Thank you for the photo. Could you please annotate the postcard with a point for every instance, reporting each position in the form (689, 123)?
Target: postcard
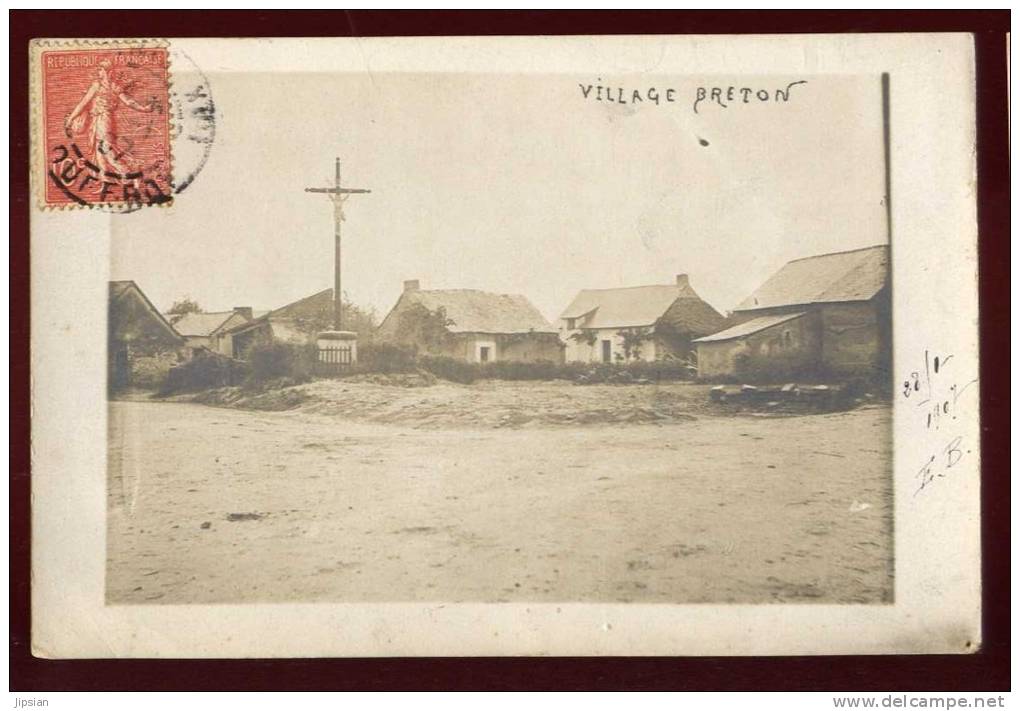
(504, 346)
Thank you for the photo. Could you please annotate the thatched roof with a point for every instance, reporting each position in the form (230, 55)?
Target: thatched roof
(474, 311)
(856, 275)
(641, 306)
(693, 317)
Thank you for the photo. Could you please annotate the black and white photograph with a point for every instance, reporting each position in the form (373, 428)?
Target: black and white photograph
(641, 355)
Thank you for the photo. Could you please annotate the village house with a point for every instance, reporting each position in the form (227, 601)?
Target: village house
(142, 345)
(827, 315)
(208, 329)
(297, 323)
(636, 323)
(470, 325)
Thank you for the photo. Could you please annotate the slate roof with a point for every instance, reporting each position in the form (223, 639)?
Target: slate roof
(474, 311)
(318, 305)
(309, 307)
(199, 324)
(634, 306)
(856, 275)
(747, 328)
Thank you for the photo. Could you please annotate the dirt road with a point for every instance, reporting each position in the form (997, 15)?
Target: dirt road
(218, 505)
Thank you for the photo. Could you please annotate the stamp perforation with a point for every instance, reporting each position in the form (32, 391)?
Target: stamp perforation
(38, 114)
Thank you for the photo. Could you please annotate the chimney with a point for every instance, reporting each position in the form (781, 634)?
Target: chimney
(682, 280)
(244, 311)
(412, 285)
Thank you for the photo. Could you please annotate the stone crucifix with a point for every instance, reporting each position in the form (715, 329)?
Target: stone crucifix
(338, 195)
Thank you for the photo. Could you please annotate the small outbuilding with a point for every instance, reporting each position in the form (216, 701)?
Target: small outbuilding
(827, 315)
(142, 345)
(298, 322)
(207, 329)
(470, 325)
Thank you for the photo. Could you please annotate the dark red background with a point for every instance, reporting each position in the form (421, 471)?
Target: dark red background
(987, 670)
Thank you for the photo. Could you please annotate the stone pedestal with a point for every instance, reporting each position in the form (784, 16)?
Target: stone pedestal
(337, 347)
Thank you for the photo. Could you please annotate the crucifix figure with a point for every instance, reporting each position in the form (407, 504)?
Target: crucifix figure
(339, 196)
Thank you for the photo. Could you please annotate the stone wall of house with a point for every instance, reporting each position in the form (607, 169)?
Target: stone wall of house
(514, 348)
(148, 370)
(588, 347)
(141, 349)
(239, 345)
(854, 337)
(529, 348)
(678, 347)
(851, 342)
(718, 358)
(794, 344)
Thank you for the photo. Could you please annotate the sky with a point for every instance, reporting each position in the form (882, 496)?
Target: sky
(511, 184)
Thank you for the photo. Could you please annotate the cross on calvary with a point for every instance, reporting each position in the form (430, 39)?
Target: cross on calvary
(339, 196)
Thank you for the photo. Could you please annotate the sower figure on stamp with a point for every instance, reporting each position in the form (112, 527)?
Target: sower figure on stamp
(99, 105)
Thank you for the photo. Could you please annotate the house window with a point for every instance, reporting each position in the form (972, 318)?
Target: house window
(571, 322)
(607, 351)
(483, 354)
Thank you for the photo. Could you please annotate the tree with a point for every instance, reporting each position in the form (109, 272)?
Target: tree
(632, 340)
(427, 328)
(186, 305)
(359, 319)
(355, 318)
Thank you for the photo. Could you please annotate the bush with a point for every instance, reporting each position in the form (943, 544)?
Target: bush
(451, 369)
(538, 370)
(637, 371)
(386, 358)
(757, 369)
(277, 360)
(206, 370)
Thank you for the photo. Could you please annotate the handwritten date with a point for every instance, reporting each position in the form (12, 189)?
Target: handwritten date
(937, 395)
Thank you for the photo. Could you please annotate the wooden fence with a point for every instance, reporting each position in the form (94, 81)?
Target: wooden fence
(332, 361)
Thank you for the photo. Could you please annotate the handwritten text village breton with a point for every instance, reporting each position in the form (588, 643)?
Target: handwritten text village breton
(723, 96)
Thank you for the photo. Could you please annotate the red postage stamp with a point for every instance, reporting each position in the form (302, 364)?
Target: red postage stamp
(105, 126)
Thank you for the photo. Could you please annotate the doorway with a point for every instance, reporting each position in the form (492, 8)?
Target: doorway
(607, 351)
